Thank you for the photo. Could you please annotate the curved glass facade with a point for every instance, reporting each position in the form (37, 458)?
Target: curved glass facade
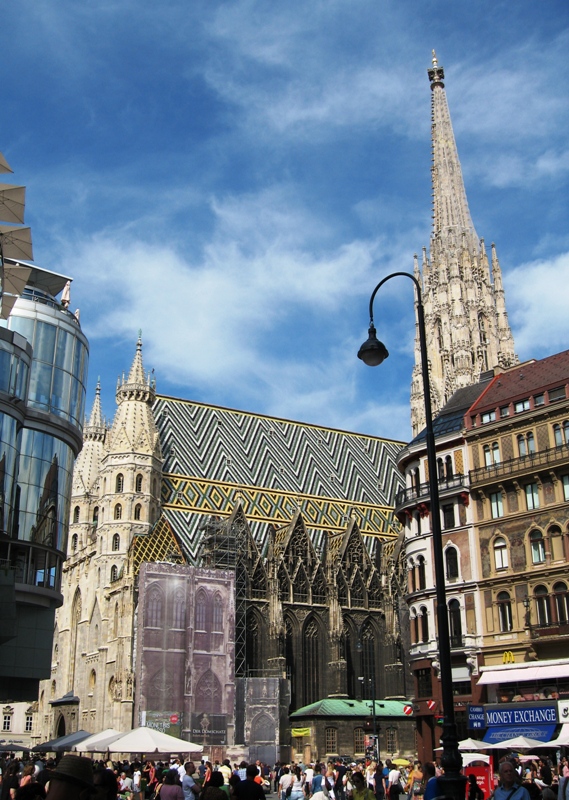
(60, 359)
(37, 451)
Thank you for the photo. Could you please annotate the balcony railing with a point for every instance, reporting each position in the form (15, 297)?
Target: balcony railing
(456, 641)
(542, 458)
(420, 492)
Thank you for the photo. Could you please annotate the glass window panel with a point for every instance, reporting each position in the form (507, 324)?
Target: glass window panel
(5, 369)
(61, 391)
(64, 350)
(23, 326)
(44, 343)
(40, 385)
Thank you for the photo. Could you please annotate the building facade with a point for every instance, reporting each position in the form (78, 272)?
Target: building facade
(506, 552)
(517, 434)
(463, 295)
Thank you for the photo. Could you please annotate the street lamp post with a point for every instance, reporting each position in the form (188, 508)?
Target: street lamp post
(359, 648)
(373, 352)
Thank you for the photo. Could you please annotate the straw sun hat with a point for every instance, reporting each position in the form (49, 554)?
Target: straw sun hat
(74, 769)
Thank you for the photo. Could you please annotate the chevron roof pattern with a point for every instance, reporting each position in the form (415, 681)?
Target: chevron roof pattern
(215, 457)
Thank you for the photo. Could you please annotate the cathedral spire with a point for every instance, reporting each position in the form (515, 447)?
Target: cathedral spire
(451, 215)
(465, 311)
(138, 385)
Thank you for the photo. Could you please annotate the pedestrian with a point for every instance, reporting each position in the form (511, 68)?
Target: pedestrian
(508, 789)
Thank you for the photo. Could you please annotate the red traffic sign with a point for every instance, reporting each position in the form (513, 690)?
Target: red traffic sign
(431, 704)
(408, 710)
(174, 719)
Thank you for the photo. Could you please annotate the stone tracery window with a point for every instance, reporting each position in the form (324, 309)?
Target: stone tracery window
(178, 609)
(208, 694)
(201, 612)
(218, 614)
(119, 483)
(154, 612)
(311, 663)
(300, 587)
(357, 591)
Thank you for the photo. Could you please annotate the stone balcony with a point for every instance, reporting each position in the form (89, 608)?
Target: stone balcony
(514, 467)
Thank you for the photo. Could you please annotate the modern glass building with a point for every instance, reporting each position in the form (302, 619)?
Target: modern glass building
(43, 372)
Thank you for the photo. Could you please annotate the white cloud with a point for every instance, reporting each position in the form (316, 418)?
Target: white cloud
(538, 298)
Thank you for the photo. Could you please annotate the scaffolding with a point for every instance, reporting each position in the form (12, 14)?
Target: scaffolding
(224, 545)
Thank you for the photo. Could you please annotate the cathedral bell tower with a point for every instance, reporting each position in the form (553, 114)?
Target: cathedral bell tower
(463, 296)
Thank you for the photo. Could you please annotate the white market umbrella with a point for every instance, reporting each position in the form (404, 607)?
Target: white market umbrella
(12, 202)
(517, 743)
(150, 741)
(471, 744)
(469, 758)
(98, 742)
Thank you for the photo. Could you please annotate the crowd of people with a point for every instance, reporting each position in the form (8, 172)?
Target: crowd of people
(76, 777)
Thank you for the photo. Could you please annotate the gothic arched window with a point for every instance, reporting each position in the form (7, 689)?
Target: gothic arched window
(357, 591)
(119, 483)
(116, 542)
(154, 608)
(201, 611)
(137, 511)
(367, 640)
(218, 614)
(138, 483)
(96, 516)
(114, 573)
(74, 542)
(118, 511)
(178, 610)
(291, 661)
(208, 694)
(300, 588)
(311, 671)
(76, 512)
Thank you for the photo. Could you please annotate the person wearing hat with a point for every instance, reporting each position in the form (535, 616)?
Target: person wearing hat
(72, 779)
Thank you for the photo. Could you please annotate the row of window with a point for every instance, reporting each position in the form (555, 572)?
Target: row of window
(549, 609)
(119, 483)
(331, 735)
(531, 492)
(523, 405)
(7, 722)
(526, 444)
(208, 616)
(417, 572)
(420, 624)
(537, 547)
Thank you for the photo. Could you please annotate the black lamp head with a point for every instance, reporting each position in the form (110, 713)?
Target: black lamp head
(372, 352)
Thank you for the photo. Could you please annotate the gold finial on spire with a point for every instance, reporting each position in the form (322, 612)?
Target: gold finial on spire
(435, 62)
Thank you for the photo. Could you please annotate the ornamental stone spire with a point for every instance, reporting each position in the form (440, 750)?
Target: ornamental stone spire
(463, 296)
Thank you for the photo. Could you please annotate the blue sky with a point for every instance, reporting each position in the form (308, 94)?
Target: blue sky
(235, 177)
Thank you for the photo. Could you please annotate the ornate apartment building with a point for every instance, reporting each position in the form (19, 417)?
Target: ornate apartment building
(463, 296)
(503, 460)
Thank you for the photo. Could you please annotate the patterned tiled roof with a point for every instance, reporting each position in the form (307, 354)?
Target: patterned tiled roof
(215, 457)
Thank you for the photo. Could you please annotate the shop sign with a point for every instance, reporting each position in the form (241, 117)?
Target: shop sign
(507, 714)
(476, 718)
